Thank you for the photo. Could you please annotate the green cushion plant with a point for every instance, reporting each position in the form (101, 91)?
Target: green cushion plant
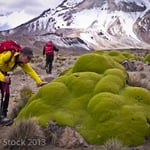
(93, 97)
(147, 58)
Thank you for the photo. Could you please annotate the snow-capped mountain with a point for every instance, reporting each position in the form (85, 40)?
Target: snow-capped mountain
(91, 24)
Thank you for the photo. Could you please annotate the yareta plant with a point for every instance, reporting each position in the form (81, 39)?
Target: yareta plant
(119, 56)
(92, 96)
(147, 58)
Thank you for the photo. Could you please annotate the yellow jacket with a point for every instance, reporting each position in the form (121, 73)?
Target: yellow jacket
(6, 67)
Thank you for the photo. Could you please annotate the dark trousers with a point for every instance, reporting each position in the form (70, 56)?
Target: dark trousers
(49, 63)
(5, 94)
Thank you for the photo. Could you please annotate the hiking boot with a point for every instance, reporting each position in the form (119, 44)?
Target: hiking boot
(48, 71)
(5, 121)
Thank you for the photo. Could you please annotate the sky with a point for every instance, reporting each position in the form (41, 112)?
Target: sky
(15, 12)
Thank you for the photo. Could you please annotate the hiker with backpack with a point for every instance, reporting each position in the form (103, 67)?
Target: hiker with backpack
(11, 56)
(49, 49)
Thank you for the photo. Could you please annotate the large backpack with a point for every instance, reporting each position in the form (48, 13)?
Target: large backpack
(49, 48)
(9, 45)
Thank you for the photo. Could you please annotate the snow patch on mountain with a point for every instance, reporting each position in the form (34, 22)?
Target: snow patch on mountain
(92, 24)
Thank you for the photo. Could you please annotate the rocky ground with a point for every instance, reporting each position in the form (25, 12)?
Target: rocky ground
(20, 80)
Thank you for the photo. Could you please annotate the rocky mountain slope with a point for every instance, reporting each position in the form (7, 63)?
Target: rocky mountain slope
(85, 24)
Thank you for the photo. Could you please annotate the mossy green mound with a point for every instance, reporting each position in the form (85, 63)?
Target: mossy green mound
(93, 97)
(95, 63)
(147, 58)
(117, 55)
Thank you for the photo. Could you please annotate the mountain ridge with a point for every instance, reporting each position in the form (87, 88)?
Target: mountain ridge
(90, 25)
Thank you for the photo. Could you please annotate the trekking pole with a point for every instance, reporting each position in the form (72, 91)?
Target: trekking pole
(4, 86)
(1, 108)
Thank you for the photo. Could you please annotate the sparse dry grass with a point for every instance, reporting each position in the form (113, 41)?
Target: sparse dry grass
(113, 144)
(25, 135)
(25, 94)
(137, 79)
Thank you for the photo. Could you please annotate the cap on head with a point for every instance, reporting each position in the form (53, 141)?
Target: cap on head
(28, 52)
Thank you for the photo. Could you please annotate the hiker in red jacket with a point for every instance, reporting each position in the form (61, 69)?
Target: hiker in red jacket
(49, 49)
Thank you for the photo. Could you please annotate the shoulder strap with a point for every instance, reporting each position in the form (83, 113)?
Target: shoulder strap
(12, 54)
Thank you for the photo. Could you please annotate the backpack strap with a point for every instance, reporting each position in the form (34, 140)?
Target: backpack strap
(12, 54)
